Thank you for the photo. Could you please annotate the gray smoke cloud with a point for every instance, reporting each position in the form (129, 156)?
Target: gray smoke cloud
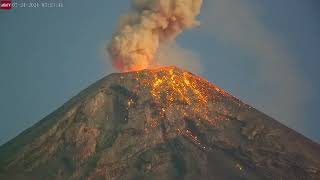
(148, 25)
(282, 90)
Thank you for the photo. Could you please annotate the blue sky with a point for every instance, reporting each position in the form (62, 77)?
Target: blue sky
(264, 52)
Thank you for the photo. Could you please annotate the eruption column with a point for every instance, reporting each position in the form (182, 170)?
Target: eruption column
(149, 24)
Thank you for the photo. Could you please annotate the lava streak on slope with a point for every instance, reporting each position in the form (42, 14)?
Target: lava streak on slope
(177, 96)
(170, 87)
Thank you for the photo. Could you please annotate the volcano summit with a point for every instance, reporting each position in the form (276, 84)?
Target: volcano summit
(163, 123)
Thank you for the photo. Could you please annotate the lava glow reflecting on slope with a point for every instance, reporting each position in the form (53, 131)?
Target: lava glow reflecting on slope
(170, 86)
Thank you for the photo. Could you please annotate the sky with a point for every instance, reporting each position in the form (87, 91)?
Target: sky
(266, 53)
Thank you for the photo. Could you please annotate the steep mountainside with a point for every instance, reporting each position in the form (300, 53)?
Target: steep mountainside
(158, 124)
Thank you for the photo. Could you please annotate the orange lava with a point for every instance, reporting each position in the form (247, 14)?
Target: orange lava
(181, 92)
(169, 86)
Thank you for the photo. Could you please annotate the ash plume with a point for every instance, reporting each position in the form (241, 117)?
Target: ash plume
(149, 24)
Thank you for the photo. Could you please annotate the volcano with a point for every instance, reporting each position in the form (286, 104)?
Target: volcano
(163, 123)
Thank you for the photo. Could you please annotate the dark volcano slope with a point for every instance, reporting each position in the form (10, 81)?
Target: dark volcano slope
(158, 124)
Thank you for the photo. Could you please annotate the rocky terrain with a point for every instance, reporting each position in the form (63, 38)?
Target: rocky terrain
(158, 124)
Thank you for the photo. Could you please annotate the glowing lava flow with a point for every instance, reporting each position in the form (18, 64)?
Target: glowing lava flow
(174, 88)
(178, 95)
(170, 86)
